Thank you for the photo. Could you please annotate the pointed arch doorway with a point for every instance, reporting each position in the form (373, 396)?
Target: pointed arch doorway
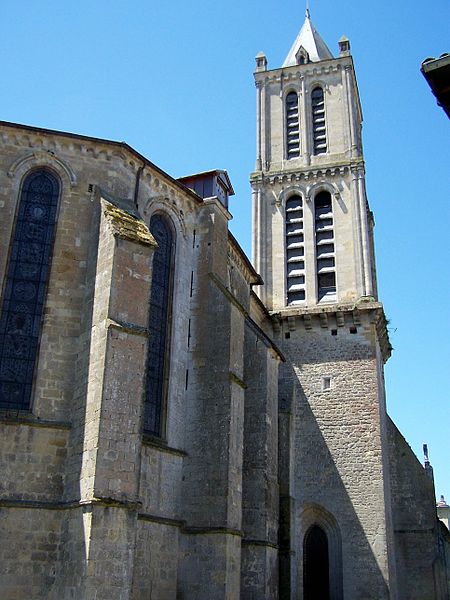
(316, 565)
(321, 547)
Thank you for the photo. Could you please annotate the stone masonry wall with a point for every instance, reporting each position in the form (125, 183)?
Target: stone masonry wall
(212, 468)
(33, 461)
(259, 569)
(338, 478)
(156, 561)
(30, 551)
(41, 451)
(98, 511)
(421, 570)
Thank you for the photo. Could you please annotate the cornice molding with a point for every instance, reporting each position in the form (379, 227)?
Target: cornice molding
(311, 173)
(366, 311)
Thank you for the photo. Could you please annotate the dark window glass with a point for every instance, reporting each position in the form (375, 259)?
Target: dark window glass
(327, 281)
(292, 126)
(318, 119)
(316, 571)
(25, 287)
(159, 326)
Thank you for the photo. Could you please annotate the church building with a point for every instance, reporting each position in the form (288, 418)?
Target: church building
(178, 422)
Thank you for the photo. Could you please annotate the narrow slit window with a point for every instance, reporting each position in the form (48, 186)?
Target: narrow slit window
(325, 249)
(159, 326)
(295, 251)
(318, 121)
(292, 126)
(24, 295)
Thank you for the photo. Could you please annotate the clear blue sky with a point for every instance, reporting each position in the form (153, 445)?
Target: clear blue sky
(174, 80)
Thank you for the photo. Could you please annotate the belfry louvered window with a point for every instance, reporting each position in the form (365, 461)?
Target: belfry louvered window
(159, 326)
(292, 126)
(325, 255)
(25, 289)
(318, 121)
(295, 251)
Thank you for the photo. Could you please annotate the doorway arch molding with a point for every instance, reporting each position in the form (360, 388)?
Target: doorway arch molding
(315, 515)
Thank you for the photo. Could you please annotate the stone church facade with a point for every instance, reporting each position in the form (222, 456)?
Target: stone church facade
(177, 423)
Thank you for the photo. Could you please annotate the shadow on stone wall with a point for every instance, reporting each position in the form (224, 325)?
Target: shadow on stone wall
(336, 483)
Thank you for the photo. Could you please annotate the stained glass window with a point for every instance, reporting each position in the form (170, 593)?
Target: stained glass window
(159, 325)
(25, 286)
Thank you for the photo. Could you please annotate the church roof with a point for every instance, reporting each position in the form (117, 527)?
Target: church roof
(310, 39)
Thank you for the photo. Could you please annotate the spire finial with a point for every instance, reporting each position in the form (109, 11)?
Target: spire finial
(308, 16)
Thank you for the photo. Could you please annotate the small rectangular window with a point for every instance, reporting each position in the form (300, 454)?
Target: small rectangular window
(326, 383)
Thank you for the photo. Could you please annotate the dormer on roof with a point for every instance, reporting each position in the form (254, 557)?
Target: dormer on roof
(309, 44)
(209, 184)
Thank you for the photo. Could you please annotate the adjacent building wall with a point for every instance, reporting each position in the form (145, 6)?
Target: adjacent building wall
(419, 549)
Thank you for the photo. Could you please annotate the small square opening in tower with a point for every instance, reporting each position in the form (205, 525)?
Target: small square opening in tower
(326, 383)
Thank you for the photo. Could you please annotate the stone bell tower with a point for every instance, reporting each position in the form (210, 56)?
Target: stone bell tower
(313, 246)
(312, 229)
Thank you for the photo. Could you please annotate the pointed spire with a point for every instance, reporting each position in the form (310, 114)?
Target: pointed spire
(309, 40)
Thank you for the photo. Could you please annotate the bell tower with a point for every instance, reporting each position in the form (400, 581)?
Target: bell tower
(312, 228)
(313, 246)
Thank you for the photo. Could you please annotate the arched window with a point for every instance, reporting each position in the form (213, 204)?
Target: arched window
(292, 126)
(325, 256)
(316, 565)
(295, 251)
(25, 288)
(318, 121)
(159, 326)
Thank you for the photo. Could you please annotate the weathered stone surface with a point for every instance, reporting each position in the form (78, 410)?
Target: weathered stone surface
(273, 423)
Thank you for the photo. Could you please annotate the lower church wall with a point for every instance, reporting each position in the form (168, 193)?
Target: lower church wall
(257, 582)
(210, 564)
(160, 481)
(155, 561)
(30, 545)
(32, 459)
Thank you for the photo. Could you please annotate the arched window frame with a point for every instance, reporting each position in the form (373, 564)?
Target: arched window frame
(155, 422)
(318, 120)
(22, 273)
(292, 132)
(294, 207)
